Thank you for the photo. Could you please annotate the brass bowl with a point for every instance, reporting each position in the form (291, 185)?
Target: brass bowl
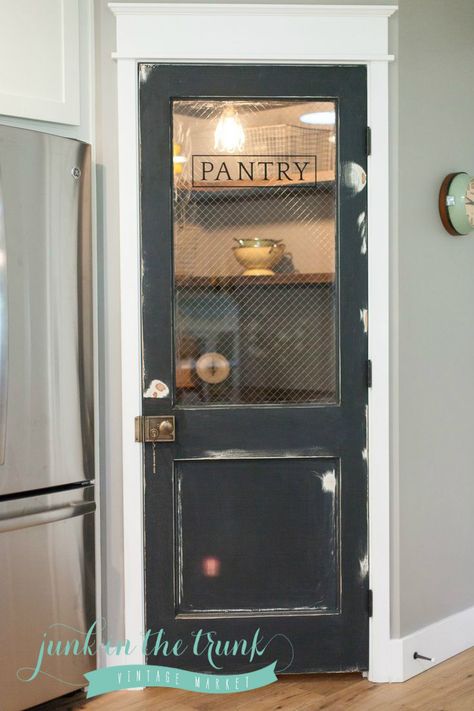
(256, 241)
(259, 260)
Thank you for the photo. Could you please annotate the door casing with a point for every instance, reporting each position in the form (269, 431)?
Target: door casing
(345, 35)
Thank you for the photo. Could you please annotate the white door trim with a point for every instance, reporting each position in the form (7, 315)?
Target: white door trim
(310, 34)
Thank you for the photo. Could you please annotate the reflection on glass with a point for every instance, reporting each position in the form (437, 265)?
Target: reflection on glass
(255, 251)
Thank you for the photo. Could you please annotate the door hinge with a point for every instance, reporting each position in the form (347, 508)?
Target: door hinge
(368, 140)
(369, 373)
(370, 603)
(154, 429)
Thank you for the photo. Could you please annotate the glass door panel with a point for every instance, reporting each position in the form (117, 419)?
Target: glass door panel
(255, 251)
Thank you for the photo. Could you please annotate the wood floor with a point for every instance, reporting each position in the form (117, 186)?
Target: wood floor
(447, 687)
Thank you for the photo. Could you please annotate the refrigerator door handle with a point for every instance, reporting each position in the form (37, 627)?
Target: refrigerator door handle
(39, 518)
(3, 330)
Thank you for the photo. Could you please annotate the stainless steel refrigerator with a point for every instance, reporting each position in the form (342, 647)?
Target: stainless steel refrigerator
(47, 504)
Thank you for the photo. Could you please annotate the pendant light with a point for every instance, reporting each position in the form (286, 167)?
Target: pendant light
(229, 135)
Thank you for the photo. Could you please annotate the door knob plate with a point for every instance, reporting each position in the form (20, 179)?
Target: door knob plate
(155, 429)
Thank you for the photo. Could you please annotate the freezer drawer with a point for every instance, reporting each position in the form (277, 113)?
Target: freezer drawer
(46, 586)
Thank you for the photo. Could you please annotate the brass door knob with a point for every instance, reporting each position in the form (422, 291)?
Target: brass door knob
(165, 429)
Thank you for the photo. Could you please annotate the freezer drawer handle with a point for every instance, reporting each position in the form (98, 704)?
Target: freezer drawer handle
(38, 518)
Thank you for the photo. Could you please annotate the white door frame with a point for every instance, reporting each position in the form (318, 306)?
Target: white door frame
(308, 34)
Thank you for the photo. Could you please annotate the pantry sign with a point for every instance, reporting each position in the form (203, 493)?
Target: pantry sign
(249, 171)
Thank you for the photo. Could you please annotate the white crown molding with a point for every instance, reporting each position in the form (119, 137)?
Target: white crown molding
(232, 9)
(166, 32)
(303, 59)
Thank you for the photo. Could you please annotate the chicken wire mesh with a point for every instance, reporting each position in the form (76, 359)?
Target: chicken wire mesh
(255, 322)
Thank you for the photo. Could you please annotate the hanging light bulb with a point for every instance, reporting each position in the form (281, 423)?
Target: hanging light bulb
(229, 136)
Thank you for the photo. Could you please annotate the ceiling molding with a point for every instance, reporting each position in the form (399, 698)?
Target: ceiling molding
(232, 9)
(303, 59)
(202, 32)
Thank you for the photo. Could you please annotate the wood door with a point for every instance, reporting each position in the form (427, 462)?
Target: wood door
(254, 284)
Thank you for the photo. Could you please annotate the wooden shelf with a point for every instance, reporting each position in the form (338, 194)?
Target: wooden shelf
(235, 281)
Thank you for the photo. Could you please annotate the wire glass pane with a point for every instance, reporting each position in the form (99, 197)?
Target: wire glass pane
(254, 212)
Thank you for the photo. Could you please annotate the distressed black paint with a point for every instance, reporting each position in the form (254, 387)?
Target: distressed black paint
(330, 435)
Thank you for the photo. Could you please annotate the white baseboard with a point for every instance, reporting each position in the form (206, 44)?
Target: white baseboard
(441, 640)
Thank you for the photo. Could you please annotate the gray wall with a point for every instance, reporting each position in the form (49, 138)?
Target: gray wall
(436, 308)
(432, 314)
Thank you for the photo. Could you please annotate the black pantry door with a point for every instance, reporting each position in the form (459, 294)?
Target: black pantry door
(254, 285)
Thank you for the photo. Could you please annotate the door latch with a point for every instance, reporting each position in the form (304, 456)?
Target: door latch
(155, 429)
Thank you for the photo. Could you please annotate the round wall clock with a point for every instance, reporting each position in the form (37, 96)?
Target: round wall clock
(456, 203)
